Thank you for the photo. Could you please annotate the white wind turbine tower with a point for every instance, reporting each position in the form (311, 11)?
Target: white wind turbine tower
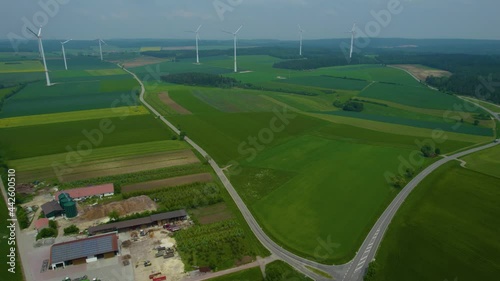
(353, 34)
(235, 37)
(300, 33)
(100, 46)
(64, 53)
(40, 48)
(197, 32)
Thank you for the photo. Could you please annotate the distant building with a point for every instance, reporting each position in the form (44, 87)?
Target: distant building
(83, 250)
(83, 193)
(139, 223)
(41, 224)
(52, 209)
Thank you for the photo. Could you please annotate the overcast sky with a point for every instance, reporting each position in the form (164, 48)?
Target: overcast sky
(262, 19)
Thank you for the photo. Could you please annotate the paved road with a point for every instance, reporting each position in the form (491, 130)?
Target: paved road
(351, 271)
(496, 115)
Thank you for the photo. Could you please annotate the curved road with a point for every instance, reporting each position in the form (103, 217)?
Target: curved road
(351, 271)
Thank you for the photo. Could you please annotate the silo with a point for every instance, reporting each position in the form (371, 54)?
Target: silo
(64, 198)
(70, 209)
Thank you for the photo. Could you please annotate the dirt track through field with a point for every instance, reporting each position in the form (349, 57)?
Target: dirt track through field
(176, 181)
(165, 98)
(116, 166)
(421, 72)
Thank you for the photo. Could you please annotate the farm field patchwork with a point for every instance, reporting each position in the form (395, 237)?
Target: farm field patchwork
(447, 229)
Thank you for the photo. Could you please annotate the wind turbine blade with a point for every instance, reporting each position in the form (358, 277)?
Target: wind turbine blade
(227, 32)
(66, 41)
(31, 31)
(103, 42)
(197, 30)
(39, 32)
(236, 32)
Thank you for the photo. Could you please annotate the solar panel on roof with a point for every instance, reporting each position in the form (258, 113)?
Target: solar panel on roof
(83, 248)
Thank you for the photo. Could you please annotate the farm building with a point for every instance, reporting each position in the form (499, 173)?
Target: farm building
(52, 209)
(41, 224)
(139, 223)
(83, 193)
(83, 250)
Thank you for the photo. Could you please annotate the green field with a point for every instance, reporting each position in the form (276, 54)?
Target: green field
(72, 116)
(71, 96)
(97, 154)
(328, 82)
(486, 161)
(415, 120)
(252, 274)
(328, 185)
(21, 66)
(446, 230)
(411, 96)
(31, 141)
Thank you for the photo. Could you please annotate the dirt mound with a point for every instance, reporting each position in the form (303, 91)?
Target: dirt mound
(132, 205)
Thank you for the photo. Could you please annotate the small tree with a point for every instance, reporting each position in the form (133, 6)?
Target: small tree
(437, 151)
(427, 151)
(371, 271)
(476, 122)
(113, 215)
(182, 135)
(72, 229)
(46, 232)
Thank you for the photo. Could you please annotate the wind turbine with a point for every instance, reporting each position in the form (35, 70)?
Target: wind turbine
(40, 48)
(300, 33)
(235, 37)
(197, 32)
(64, 53)
(100, 46)
(353, 33)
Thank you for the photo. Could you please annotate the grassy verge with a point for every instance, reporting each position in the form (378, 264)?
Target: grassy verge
(251, 274)
(279, 270)
(319, 272)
